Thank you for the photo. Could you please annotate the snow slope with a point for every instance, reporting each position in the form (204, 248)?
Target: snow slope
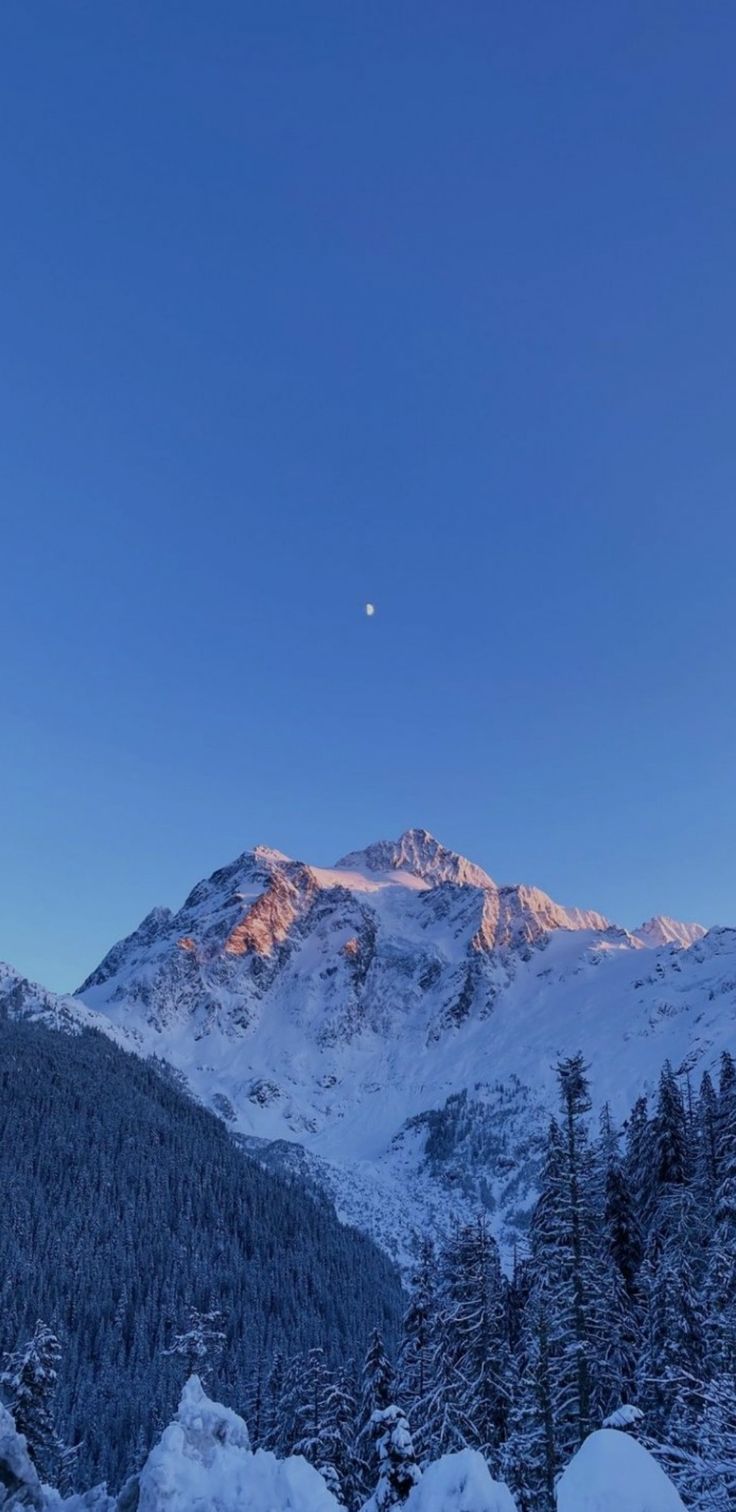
(388, 1027)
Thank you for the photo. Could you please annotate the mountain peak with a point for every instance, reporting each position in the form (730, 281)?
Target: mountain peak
(662, 930)
(421, 855)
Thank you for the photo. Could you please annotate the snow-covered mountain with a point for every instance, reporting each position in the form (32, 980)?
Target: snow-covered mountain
(21, 999)
(389, 1026)
(661, 930)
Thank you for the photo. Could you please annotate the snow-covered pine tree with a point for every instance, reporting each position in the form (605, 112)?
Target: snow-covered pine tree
(377, 1379)
(309, 1388)
(529, 1455)
(399, 1472)
(670, 1366)
(608, 1144)
(638, 1163)
(571, 1366)
(255, 1407)
(201, 1344)
(706, 1158)
(288, 1389)
(338, 1438)
(273, 1402)
(67, 1468)
(575, 1099)
(671, 1147)
(620, 1321)
(719, 1294)
(376, 1392)
(711, 1484)
(472, 1365)
(28, 1378)
(417, 1351)
(623, 1233)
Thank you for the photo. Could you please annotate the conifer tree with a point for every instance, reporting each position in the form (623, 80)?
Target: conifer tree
(312, 1426)
(399, 1472)
(638, 1163)
(273, 1399)
(338, 1438)
(201, 1344)
(377, 1392)
(530, 1454)
(473, 1364)
(377, 1381)
(720, 1279)
(706, 1142)
(29, 1378)
(623, 1232)
(417, 1353)
(671, 1152)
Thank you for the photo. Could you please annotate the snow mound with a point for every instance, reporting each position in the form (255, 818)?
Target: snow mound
(96, 1500)
(612, 1472)
(203, 1463)
(624, 1417)
(460, 1483)
(20, 1487)
(19, 1483)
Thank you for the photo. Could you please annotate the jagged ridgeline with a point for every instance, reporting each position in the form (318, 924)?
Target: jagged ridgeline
(124, 1203)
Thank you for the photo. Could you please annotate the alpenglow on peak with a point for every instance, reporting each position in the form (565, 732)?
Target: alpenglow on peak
(421, 855)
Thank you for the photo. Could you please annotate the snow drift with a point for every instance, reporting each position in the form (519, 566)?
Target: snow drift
(460, 1483)
(611, 1472)
(19, 1483)
(203, 1463)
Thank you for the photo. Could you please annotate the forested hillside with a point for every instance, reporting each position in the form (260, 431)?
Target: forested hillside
(125, 1204)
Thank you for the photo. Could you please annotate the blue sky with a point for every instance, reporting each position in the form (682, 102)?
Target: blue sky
(305, 304)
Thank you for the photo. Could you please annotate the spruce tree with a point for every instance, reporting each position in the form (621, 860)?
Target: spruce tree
(706, 1142)
(200, 1345)
(417, 1352)
(530, 1453)
(720, 1280)
(473, 1341)
(575, 1104)
(399, 1471)
(338, 1438)
(377, 1392)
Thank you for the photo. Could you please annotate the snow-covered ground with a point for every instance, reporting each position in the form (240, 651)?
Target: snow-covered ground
(203, 1462)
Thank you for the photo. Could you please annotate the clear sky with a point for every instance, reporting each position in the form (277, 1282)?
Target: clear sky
(314, 302)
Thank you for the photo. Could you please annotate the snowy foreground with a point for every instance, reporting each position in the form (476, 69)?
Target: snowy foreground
(204, 1463)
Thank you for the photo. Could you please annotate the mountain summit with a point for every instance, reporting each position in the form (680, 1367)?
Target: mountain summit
(418, 853)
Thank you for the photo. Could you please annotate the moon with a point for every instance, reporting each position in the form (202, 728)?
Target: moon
(370, 610)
